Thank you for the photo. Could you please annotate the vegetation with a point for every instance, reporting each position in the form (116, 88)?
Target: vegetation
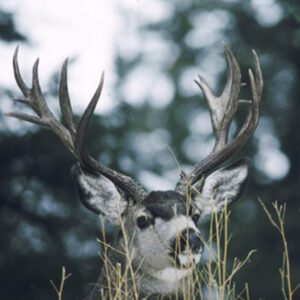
(214, 279)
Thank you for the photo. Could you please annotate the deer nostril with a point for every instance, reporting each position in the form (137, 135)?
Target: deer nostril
(191, 238)
(195, 242)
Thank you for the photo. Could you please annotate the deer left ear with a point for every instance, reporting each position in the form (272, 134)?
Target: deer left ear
(222, 187)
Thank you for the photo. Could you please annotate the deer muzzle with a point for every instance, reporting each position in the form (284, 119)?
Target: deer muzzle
(187, 248)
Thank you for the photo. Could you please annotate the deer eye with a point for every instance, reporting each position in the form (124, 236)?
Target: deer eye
(196, 218)
(143, 222)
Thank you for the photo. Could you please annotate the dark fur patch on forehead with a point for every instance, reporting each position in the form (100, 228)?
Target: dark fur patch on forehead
(165, 204)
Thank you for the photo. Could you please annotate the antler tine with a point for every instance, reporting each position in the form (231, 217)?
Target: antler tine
(223, 108)
(256, 82)
(82, 126)
(230, 93)
(21, 84)
(27, 118)
(85, 119)
(222, 150)
(64, 100)
(233, 83)
(36, 95)
(258, 75)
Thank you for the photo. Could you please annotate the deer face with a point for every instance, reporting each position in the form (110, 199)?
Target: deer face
(166, 234)
(162, 228)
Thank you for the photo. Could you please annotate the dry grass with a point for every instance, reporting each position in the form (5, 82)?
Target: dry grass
(213, 280)
(59, 290)
(276, 217)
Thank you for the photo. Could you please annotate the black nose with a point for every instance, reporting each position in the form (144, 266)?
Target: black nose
(188, 238)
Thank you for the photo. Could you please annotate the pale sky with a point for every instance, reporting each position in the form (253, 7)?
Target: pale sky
(58, 29)
(85, 31)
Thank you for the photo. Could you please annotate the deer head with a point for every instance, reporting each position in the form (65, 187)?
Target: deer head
(161, 225)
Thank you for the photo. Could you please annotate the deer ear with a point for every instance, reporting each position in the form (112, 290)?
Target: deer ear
(222, 187)
(99, 194)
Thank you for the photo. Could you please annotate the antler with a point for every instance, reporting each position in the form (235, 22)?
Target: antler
(71, 135)
(222, 110)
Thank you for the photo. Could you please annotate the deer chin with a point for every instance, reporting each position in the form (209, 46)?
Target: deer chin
(188, 261)
(171, 274)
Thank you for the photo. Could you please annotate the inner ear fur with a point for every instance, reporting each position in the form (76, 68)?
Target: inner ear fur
(222, 186)
(99, 194)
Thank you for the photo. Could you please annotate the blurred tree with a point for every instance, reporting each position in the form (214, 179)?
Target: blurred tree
(8, 30)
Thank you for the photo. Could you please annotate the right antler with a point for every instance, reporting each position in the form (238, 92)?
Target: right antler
(71, 135)
(222, 110)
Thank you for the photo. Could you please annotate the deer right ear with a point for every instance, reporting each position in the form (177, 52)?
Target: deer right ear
(222, 187)
(99, 194)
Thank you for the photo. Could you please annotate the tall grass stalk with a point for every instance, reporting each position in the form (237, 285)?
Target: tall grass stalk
(220, 276)
(278, 221)
(59, 290)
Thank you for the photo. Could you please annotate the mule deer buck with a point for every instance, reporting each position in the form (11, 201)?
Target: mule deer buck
(157, 229)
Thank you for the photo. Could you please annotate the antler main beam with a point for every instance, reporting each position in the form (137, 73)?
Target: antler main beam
(70, 134)
(222, 110)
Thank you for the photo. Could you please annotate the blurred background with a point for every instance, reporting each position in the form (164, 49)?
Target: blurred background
(150, 108)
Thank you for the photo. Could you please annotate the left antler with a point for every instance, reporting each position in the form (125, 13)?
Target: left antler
(222, 110)
(71, 135)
